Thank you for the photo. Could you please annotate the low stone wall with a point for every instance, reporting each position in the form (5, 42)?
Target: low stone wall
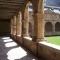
(31, 45)
(11, 36)
(49, 51)
(19, 39)
(57, 33)
(48, 33)
(14, 37)
(43, 49)
(51, 33)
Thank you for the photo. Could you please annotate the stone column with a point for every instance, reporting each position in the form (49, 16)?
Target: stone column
(39, 22)
(25, 23)
(18, 25)
(53, 30)
(14, 25)
(11, 26)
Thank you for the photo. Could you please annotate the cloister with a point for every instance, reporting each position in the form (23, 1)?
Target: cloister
(16, 11)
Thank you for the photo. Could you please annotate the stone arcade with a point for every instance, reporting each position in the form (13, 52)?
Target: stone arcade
(17, 12)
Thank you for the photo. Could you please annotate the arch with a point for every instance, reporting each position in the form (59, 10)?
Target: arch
(48, 27)
(38, 5)
(27, 3)
(27, 10)
(25, 18)
(41, 6)
(57, 26)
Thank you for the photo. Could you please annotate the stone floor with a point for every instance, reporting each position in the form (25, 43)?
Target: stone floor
(10, 50)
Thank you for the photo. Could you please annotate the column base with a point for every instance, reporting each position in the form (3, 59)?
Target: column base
(38, 39)
(25, 35)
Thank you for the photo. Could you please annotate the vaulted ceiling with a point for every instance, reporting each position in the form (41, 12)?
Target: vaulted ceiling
(9, 7)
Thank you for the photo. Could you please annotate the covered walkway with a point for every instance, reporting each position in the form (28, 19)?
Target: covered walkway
(10, 50)
(14, 21)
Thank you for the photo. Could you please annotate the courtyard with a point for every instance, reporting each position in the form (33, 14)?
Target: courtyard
(53, 39)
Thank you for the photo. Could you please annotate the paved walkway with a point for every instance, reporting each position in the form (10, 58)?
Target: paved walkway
(10, 50)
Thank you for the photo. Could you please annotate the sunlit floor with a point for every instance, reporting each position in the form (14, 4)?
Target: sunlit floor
(10, 50)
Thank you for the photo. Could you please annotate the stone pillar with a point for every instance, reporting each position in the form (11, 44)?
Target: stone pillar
(53, 30)
(14, 25)
(11, 26)
(39, 23)
(18, 25)
(25, 23)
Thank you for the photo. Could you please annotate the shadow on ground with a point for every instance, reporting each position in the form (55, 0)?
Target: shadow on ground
(10, 50)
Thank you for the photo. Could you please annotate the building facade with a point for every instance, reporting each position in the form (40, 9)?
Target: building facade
(51, 20)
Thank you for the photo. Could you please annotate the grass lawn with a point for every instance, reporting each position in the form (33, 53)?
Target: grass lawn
(53, 39)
